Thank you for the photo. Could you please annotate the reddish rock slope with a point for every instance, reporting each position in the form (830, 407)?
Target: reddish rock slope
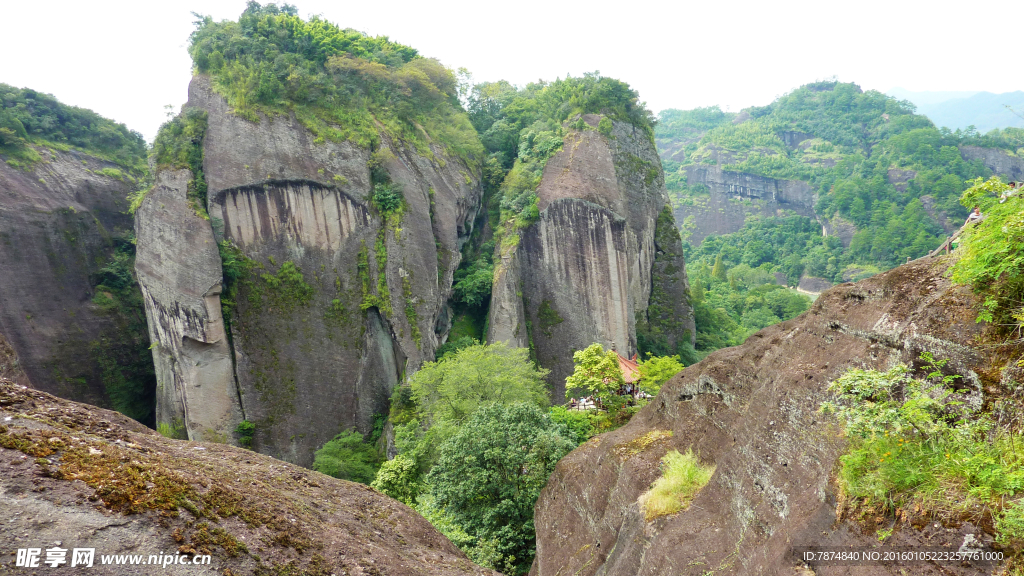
(753, 411)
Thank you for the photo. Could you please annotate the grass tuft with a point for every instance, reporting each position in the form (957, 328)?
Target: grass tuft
(682, 478)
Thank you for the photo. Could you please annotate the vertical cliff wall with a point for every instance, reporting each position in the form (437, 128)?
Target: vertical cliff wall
(179, 269)
(337, 301)
(727, 198)
(62, 218)
(996, 160)
(584, 272)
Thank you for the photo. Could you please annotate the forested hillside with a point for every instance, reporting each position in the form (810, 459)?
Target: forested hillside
(29, 117)
(881, 185)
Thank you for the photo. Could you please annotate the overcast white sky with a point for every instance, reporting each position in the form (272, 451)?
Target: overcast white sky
(127, 59)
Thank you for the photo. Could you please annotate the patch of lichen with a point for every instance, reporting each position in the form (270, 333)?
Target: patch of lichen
(206, 536)
(317, 566)
(137, 481)
(640, 444)
(548, 317)
(25, 443)
(630, 167)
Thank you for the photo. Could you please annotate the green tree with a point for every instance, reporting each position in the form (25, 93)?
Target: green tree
(348, 457)
(491, 472)
(459, 384)
(656, 370)
(398, 479)
(596, 373)
(718, 271)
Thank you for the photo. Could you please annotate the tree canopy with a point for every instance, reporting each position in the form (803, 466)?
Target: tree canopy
(596, 372)
(489, 475)
(456, 386)
(31, 117)
(340, 83)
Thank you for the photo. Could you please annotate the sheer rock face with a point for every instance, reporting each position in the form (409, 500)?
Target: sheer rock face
(318, 356)
(752, 410)
(733, 196)
(996, 160)
(179, 269)
(68, 481)
(57, 219)
(583, 272)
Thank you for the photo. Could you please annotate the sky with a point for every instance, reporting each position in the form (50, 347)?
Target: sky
(127, 60)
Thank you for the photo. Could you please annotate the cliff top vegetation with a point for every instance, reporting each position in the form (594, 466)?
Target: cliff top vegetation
(28, 117)
(340, 83)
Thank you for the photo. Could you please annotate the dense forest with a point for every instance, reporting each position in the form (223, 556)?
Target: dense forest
(872, 162)
(340, 83)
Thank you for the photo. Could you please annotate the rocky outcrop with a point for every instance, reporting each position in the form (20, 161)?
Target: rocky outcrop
(81, 477)
(179, 268)
(752, 410)
(583, 272)
(793, 138)
(336, 303)
(839, 227)
(900, 178)
(10, 366)
(996, 160)
(813, 285)
(60, 220)
(734, 196)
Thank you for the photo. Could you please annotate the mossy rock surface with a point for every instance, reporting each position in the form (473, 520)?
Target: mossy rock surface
(109, 483)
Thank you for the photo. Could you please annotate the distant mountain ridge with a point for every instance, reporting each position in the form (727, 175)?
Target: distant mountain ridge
(983, 110)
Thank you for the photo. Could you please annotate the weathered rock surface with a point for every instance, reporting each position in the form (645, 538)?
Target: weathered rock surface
(81, 477)
(996, 160)
(734, 196)
(179, 269)
(10, 366)
(583, 273)
(57, 221)
(813, 284)
(321, 354)
(793, 138)
(752, 410)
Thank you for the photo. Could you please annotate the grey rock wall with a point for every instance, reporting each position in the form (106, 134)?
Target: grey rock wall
(583, 272)
(179, 269)
(319, 355)
(57, 221)
(733, 196)
(996, 160)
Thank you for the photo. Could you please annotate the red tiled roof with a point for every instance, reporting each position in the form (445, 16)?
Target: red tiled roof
(630, 369)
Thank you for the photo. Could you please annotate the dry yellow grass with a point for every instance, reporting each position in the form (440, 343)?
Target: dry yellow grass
(682, 477)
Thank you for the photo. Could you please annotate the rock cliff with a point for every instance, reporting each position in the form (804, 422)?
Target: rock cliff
(62, 219)
(752, 410)
(337, 301)
(998, 161)
(83, 477)
(727, 198)
(584, 272)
